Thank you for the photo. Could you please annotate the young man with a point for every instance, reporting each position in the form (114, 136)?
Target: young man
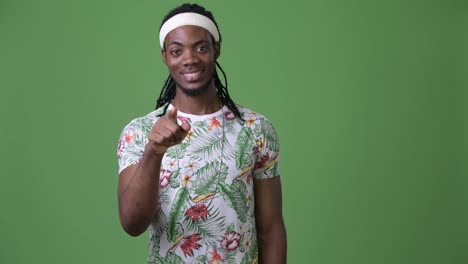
(200, 171)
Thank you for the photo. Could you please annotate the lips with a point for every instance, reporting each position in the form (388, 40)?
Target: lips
(192, 76)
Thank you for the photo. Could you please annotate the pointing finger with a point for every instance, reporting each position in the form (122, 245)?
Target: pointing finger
(172, 115)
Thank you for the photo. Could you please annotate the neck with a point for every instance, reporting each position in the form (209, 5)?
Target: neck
(203, 104)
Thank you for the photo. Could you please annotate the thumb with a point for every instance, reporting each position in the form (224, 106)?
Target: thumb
(172, 115)
(186, 126)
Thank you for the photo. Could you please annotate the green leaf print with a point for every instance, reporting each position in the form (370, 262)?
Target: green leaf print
(245, 259)
(225, 191)
(208, 177)
(230, 228)
(142, 126)
(273, 169)
(138, 141)
(209, 147)
(254, 249)
(231, 257)
(132, 155)
(170, 258)
(152, 260)
(230, 126)
(198, 124)
(200, 260)
(177, 151)
(211, 229)
(177, 210)
(154, 241)
(236, 196)
(270, 136)
(243, 146)
(175, 184)
(174, 181)
(164, 196)
(241, 246)
(159, 222)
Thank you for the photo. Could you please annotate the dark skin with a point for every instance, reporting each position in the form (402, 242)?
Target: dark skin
(271, 232)
(190, 56)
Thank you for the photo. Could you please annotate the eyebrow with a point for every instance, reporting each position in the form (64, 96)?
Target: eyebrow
(193, 45)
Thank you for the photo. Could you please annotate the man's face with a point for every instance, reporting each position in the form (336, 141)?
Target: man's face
(190, 55)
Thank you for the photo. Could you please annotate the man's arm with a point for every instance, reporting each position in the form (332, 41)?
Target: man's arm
(138, 193)
(271, 231)
(138, 189)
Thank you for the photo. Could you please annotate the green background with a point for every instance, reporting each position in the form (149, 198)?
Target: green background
(369, 99)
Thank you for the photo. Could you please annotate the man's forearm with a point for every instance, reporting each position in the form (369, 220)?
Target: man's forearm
(272, 245)
(138, 201)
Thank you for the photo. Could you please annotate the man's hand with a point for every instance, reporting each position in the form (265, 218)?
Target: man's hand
(166, 133)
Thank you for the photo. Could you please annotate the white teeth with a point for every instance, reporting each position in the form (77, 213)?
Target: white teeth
(192, 76)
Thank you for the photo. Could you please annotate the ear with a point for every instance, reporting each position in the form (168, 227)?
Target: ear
(163, 55)
(217, 49)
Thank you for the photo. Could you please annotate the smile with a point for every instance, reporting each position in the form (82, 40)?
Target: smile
(192, 76)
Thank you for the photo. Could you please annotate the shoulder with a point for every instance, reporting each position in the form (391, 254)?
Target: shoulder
(259, 125)
(254, 119)
(248, 113)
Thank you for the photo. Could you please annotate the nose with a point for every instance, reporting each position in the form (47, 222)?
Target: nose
(190, 57)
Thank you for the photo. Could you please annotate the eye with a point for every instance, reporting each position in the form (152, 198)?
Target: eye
(202, 49)
(175, 52)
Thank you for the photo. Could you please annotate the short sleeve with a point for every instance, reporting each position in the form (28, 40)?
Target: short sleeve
(132, 142)
(266, 150)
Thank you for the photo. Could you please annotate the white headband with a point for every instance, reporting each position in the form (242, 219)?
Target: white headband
(184, 19)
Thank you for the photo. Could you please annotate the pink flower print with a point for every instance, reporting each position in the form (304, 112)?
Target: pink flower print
(164, 176)
(265, 158)
(189, 244)
(231, 240)
(120, 148)
(256, 150)
(197, 211)
(214, 123)
(215, 256)
(129, 137)
(184, 119)
(229, 115)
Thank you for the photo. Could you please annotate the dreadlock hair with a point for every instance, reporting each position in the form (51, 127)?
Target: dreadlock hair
(168, 91)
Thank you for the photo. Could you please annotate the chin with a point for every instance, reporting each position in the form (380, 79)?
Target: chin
(195, 91)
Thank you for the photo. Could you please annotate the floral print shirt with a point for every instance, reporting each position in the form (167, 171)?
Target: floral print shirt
(206, 212)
